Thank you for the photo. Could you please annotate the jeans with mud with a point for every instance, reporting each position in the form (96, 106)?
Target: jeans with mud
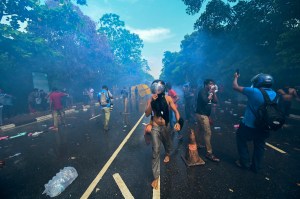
(106, 111)
(159, 134)
(205, 127)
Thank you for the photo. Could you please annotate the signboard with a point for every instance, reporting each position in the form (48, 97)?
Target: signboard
(40, 81)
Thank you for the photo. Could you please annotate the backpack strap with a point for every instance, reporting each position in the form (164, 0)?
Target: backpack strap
(267, 98)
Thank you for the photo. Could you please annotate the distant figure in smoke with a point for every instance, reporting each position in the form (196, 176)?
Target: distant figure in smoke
(90, 93)
(105, 100)
(247, 130)
(5, 101)
(136, 94)
(159, 105)
(206, 96)
(32, 100)
(287, 94)
(56, 106)
(124, 95)
(189, 96)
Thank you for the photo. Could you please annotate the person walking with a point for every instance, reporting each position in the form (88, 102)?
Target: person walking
(105, 100)
(159, 105)
(56, 106)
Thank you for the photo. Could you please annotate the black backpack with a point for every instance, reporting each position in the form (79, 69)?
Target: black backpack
(268, 116)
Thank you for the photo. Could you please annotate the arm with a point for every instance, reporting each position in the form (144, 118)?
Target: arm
(110, 95)
(281, 92)
(296, 95)
(148, 108)
(215, 98)
(235, 85)
(177, 115)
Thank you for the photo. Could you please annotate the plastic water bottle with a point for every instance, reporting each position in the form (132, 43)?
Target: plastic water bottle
(60, 181)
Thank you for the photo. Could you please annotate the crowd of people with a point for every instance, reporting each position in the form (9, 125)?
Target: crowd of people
(165, 118)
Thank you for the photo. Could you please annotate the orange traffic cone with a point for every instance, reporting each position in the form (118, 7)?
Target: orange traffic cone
(191, 157)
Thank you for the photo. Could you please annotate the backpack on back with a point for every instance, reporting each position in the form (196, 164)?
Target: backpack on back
(103, 98)
(268, 116)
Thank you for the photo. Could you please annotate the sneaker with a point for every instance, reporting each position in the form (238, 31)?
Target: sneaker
(212, 157)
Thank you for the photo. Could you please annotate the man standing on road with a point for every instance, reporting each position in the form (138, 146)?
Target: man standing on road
(159, 104)
(247, 130)
(56, 106)
(206, 97)
(105, 100)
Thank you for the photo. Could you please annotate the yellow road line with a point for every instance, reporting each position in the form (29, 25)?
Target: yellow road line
(122, 186)
(275, 148)
(92, 186)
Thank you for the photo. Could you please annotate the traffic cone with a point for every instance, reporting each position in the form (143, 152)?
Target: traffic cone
(191, 157)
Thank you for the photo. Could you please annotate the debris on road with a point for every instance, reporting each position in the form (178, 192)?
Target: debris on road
(267, 178)
(4, 138)
(18, 135)
(231, 190)
(11, 156)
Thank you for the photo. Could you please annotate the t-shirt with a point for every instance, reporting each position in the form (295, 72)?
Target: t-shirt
(55, 100)
(203, 105)
(255, 99)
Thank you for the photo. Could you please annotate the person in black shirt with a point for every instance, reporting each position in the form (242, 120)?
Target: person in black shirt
(206, 97)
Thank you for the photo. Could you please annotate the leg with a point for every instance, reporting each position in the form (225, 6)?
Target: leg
(258, 152)
(207, 132)
(62, 117)
(107, 116)
(166, 140)
(55, 118)
(156, 138)
(241, 141)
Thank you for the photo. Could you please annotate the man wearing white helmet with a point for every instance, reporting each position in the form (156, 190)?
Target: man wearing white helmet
(248, 131)
(159, 105)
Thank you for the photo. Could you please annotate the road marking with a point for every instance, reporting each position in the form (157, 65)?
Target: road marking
(156, 193)
(95, 117)
(122, 186)
(92, 186)
(275, 148)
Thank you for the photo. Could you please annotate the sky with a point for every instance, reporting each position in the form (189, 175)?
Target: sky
(161, 24)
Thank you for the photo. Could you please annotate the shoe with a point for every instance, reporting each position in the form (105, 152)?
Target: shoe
(212, 157)
(240, 165)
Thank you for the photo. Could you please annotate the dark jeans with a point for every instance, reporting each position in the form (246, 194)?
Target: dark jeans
(245, 134)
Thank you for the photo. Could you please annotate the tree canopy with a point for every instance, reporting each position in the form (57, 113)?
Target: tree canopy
(56, 38)
(254, 36)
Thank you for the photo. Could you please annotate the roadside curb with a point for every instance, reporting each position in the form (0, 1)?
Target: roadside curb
(38, 119)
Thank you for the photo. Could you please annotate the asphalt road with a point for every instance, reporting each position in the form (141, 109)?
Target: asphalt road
(84, 145)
